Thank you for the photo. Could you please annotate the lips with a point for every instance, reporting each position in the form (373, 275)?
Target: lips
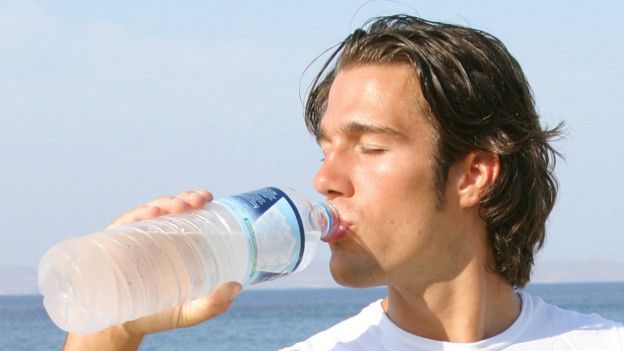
(337, 233)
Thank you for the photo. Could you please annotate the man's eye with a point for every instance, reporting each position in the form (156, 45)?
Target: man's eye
(371, 150)
(323, 155)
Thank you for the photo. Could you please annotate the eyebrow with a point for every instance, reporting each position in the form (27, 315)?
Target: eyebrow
(361, 128)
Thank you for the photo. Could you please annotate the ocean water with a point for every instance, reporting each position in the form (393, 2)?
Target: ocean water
(270, 319)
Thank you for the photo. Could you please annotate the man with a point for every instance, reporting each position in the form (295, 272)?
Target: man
(436, 161)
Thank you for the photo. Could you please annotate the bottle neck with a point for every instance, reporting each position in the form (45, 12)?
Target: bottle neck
(324, 217)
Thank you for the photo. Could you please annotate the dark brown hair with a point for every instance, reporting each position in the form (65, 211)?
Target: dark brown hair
(479, 99)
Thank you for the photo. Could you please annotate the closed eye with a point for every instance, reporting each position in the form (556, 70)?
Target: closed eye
(371, 150)
(323, 153)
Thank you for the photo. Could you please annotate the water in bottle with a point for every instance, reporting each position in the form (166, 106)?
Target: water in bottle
(129, 271)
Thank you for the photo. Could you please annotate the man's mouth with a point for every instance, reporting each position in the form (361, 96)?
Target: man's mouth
(337, 233)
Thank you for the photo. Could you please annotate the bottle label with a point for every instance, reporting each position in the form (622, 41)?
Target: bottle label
(274, 232)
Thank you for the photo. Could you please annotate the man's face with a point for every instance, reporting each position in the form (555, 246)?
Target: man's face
(379, 172)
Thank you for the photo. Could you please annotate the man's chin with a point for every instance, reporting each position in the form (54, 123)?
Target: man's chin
(352, 276)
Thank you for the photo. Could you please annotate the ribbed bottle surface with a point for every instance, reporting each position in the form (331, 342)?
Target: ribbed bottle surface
(130, 271)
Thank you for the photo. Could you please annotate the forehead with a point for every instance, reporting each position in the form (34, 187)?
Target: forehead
(387, 96)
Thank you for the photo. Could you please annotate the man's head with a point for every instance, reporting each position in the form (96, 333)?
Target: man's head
(476, 98)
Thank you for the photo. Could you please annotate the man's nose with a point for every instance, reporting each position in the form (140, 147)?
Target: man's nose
(333, 179)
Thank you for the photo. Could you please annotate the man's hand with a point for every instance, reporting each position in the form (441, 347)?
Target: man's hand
(128, 335)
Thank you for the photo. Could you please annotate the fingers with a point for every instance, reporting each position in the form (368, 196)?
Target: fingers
(202, 309)
(188, 314)
(185, 201)
(195, 199)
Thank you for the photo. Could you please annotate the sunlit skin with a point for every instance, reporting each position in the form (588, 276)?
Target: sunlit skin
(378, 170)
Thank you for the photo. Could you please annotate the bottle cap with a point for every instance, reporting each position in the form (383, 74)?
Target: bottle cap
(330, 216)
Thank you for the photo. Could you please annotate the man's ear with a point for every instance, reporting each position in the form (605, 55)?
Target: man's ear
(479, 170)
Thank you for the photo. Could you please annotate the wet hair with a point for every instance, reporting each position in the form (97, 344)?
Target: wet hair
(477, 98)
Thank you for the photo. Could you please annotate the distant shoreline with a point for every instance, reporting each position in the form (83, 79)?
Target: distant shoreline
(262, 290)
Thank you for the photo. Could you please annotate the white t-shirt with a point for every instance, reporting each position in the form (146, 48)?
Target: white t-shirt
(540, 326)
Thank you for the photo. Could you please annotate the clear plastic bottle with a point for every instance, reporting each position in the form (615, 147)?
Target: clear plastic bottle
(129, 271)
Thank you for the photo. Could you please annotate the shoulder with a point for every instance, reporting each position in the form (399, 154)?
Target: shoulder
(539, 310)
(359, 332)
(545, 323)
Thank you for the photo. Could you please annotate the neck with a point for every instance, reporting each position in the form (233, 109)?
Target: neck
(473, 306)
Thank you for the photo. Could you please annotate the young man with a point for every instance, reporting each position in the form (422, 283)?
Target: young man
(435, 158)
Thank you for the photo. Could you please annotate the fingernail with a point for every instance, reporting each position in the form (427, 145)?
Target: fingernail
(234, 292)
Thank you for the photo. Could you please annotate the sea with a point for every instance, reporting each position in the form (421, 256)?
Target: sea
(263, 319)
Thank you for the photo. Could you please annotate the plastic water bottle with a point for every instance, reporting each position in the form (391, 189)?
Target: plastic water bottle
(129, 271)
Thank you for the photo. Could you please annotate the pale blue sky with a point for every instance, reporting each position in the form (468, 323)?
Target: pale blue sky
(105, 105)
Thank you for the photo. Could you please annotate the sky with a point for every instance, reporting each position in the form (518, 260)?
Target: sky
(105, 105)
